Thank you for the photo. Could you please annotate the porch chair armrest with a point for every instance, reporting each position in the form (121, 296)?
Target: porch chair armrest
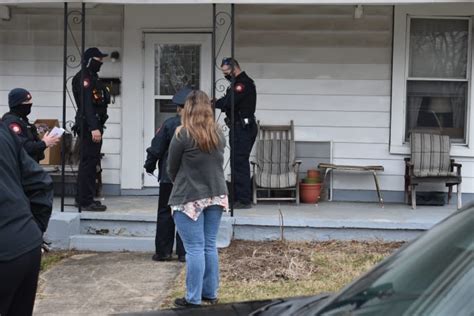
(297, 162)
(408, 166)
(297, 165)
(254, 165)
(457, 165)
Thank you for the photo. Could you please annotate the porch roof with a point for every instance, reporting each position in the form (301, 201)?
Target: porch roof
(347, 2)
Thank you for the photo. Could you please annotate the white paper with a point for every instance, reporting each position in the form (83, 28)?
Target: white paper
(56, 132)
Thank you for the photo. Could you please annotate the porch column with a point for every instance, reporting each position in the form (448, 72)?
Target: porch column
(219, 20)
(71, 62)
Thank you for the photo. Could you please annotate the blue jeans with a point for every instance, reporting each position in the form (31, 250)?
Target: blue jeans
(202, 261)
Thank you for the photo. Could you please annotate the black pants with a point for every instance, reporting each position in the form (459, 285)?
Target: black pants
(165, 229)
(90, 158)
(243, 143)
(18, 282)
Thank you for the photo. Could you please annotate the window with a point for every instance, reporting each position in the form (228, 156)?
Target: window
(176, 66)
(432, 67)
(437, 76)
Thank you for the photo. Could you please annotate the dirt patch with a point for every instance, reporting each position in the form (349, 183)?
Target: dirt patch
(252, 270)
(280, 261)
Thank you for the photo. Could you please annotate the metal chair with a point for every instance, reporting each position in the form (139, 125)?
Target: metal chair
(430, 163)
(276, 167)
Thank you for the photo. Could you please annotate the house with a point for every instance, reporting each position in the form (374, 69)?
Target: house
(358, 74)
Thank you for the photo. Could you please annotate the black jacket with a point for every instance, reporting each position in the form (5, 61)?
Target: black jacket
(245, 98)
(158, 151)
(96, 100)
(26, 198)
(27, 133)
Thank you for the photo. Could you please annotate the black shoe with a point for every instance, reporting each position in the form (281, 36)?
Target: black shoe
(210, 301)
(182, 258)
(241, 206)
(94, 207)
(95, 202)
(157, 257)
(181, 302)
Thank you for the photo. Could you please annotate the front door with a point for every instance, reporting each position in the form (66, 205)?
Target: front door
(172, 61)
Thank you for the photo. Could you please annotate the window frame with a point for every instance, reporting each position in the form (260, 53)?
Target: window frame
(400, 65)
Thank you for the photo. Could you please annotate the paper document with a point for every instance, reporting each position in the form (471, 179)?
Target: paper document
(56, 132)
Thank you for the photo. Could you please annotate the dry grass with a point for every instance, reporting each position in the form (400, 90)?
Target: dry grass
(51, 258)
(261, 270)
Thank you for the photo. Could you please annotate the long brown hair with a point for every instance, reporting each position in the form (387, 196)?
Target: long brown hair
(198, 120)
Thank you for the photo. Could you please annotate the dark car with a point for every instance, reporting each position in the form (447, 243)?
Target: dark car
(432, 275)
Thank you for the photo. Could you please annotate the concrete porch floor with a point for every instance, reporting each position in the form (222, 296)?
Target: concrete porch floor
(324, 214)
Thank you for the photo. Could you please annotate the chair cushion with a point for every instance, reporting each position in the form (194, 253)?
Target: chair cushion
(282, 180)
(275, 163)
(430, 155)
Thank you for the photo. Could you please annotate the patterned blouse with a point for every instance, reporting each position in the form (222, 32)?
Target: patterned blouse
(194, 208)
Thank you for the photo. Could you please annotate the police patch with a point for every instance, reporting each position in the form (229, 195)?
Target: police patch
(86, 83)
(239, 87)
(16, 128)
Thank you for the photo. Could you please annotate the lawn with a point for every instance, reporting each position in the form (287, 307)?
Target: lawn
(51, 258)
(261, 270)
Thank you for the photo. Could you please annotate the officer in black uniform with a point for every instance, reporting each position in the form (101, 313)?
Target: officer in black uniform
(26, 200)
(90, 119)
(158, 151)
(245, 127)
(20, 103)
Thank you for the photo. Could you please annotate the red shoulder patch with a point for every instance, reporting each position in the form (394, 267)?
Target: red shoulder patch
(239, 87)
(86, 83)
(16, 128)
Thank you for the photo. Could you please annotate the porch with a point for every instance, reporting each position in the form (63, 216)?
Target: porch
(130, 222)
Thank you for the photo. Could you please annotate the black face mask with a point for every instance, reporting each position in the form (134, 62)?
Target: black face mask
(23, 109)
(95, 65)
(228, 77)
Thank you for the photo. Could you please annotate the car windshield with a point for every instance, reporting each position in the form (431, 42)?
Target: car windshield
(432, 276)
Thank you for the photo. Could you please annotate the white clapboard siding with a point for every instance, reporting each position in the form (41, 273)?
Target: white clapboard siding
(41, 112)
(326, 118)
(323, 87)
(336, 103)
(112, 161)
(341, 134)
(330, 74)
(31, 56)
(111, 176)
(54, 101)
(365, 181)
(41, 52)
(52, 68)
(318, 71)
(284, 54)
(377, 151)
(111, 146)
(323, 10)
(301, 22)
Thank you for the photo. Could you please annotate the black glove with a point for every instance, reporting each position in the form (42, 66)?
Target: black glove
(149, 167)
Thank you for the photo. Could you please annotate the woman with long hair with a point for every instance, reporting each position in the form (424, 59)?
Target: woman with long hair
(199, 195)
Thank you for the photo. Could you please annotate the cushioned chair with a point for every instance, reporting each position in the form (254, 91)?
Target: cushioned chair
(430, 163)
(275, 167)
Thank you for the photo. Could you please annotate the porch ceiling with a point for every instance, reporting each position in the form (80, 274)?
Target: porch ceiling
(347, 2)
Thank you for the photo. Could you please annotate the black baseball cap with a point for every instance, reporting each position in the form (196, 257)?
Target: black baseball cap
(93, 52)
(180, 97)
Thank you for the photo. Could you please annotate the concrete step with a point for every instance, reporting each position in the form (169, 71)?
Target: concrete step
(117, 232)
(111, 243)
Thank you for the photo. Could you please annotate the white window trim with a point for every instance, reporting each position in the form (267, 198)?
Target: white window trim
(400, 58)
